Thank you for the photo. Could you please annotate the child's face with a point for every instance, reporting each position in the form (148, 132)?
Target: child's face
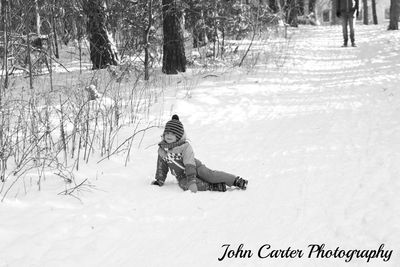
(169, 137)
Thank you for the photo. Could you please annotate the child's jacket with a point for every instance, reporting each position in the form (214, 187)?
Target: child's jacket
(179, 158)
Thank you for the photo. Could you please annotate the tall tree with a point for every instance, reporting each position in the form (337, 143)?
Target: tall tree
(3, 14)
(147, 39)
(102, 50)
(3, 20)
(4, 50)
(174, 59)
(374, 16)
(195, 20)
(54, 28)
(28, 21)
(365, 12)
(306, 7)
(38, 22)
(291, 12)
(394, 15)
(274, 6)
(301, 7)
(311, 6)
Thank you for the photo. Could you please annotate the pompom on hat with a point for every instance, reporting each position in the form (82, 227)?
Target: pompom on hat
(175, 126)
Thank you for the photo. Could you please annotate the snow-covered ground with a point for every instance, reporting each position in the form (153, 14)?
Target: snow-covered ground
(318, 140)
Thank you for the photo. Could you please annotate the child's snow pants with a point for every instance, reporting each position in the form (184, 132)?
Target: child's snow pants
(205, 176)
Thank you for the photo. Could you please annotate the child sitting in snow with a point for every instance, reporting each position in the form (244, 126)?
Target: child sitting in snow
(176, 154)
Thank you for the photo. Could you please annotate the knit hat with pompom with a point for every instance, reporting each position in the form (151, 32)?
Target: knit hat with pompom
(174, 126)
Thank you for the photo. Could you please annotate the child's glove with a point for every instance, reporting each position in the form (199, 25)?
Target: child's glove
(157, 182)
(193, 188)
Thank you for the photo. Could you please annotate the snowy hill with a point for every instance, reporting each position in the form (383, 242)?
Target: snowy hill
(318, 140)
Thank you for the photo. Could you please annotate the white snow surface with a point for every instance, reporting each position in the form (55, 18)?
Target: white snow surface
(318, 140)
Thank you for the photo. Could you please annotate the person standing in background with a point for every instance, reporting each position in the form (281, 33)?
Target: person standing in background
(346, 9)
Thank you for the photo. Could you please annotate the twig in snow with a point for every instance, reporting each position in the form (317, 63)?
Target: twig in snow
(210, 75)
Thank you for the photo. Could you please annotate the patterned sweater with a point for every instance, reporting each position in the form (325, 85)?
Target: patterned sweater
(179, 158)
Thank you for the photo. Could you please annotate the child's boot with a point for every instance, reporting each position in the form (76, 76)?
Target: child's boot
(221, 187)
(240, 183)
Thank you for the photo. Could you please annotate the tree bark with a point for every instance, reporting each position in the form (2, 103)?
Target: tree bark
(102, 50)
(174, 59)
(312, 9)
(195, 20)
(311, 6)
(38, 24)
(28, 42)
(3, 4)
(273, 5)
(147, 42)
(306, 7)
(301, 7)
(394, 15)
(291, 13)
(374, 15)
(53, 24)
(200, 31)
(4, 50)
(365, 12)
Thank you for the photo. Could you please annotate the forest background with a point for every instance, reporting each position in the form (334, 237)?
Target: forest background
(75, 73)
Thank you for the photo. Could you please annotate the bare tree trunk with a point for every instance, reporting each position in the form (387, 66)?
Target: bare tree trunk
(174, 59)
(255, 30)
(291, 13)
(312, 6)
(365, 12)
(394, 15)
(374, 16)
(3, 4)
(215, 30)
(301, 8)
(28, 42)
(306, 7)
(274, 6)
(146, 41)
(102, 51)
(312, 9)
(199, 30)
(4, 30)
(38, 25)
(223, 42)
(53, 24)
(50, 63)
